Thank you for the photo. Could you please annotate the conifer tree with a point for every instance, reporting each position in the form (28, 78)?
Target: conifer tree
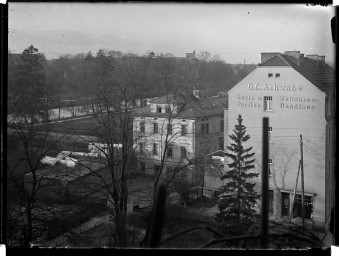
(237, 199)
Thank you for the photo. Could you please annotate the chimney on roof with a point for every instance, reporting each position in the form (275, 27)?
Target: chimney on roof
(320, 59)
(265, 56)
(312, 56)
(295, 54)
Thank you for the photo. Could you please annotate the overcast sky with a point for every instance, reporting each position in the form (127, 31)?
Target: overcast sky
(236, 32)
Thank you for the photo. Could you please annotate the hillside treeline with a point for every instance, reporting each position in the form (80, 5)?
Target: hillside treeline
(68, 77)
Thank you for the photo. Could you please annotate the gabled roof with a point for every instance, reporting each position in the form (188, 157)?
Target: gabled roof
(169, 99)
(318, 73)
(191, 107)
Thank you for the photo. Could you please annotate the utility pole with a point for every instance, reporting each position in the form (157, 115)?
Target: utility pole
(302, 185)
(295, 189)
(265, 185)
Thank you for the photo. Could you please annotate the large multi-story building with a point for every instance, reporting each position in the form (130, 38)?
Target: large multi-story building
(177, 128)
(291, 89)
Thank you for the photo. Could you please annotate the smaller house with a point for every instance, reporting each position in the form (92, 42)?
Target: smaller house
(67, 179)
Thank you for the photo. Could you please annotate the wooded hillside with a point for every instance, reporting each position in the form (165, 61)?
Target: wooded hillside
(68, 76)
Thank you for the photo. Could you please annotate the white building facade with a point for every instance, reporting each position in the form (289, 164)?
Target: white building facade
(175, 129)
(285, 88)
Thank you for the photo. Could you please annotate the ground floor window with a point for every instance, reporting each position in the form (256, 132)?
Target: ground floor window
(286, 202)
(308, 206)
(221, 143)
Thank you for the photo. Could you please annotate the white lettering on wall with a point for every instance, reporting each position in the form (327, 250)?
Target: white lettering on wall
(286, 102)
(274, 87)
(294, 102)
(296, 106)
(290, 98)
(248, 101)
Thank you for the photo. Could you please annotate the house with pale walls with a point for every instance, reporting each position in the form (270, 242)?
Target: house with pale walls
(177, 128)
(291, 89)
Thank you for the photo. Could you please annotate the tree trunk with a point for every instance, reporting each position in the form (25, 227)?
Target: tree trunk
(238, 199)
(145, 241)
(28, 230)
(120, 229)
(59, 103)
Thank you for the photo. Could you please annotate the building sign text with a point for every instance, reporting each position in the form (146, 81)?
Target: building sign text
(266, 87)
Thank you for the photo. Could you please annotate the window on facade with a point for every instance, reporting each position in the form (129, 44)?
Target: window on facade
(142, 127)
(222, 125)
(183, 130)
(285, 204)
(183, 152)
(268, 103)
(277, 75)
(169, 152)
(287, 199)
(142, 167)
(204, 129)
(155, 149)
(167, 109)
(270, 193)
(270, 75)
(308, 206)
(158, 109)
(169, 128)
(221, 143)
(270, 134)
(155, 128)
(269, 166)
(141, 148)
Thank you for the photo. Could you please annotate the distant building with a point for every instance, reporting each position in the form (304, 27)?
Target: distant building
(291, 89)
(191, 56)
(137, 103)
(187, 125)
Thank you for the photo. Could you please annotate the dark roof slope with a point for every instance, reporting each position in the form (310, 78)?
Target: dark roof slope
(275, 60)
(318, 73)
